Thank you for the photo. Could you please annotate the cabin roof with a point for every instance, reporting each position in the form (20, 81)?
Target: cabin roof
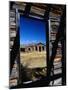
(31, 45)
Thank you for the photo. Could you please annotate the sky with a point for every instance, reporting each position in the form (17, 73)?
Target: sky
(32, 31)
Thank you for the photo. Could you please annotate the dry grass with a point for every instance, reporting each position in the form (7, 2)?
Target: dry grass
(33, 59)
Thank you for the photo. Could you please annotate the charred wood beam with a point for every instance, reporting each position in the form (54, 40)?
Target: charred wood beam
(46, 14)
(63, 42)
(11, 4)
(63, 62)
(39, 83)
(27, 9)
(14, 51)
(46, 18)
(55, 44)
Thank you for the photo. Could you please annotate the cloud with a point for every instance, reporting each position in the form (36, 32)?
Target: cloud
(28, 42)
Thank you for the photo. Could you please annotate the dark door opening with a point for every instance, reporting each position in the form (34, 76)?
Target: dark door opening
(36, 48)
(29, 49)
(43, 48)
(39, 49)
(23, 49)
